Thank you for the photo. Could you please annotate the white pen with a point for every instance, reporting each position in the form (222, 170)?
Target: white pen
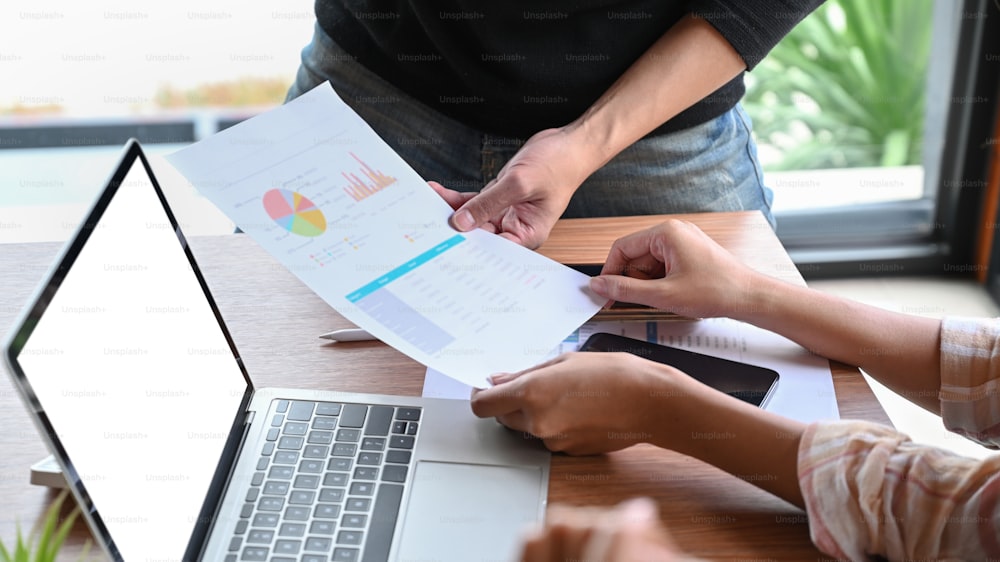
(350, 334)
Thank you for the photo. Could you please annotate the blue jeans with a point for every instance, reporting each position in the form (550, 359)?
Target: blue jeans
(709, 167)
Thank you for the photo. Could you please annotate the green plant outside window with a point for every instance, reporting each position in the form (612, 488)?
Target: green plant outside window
(847, 87)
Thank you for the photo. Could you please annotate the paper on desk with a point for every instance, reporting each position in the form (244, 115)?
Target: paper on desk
(314, 185)
(805, 388)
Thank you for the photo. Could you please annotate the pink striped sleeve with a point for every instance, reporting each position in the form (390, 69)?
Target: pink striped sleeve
(970, 378)
(870, 491)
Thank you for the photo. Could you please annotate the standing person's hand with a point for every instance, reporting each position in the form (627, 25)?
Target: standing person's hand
(534, 188)
(675, 266)
(529, 194)
(630, 532)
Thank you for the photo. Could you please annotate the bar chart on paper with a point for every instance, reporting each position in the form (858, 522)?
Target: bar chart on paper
(368, 183)
(343, 212)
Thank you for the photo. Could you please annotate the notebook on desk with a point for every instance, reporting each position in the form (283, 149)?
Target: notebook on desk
(130, 374)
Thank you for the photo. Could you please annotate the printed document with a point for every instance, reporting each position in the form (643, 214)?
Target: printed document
(314, 185)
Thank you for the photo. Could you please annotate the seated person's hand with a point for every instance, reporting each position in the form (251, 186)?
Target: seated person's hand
(586, 403)
(630, 532)
(529, 194)
(675, 266)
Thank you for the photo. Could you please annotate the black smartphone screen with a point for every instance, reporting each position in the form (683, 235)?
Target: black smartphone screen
(590, 269)
(749, 383)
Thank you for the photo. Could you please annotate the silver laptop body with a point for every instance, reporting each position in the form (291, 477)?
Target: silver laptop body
(127, 368)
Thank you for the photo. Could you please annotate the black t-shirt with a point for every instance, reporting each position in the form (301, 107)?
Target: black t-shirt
(514, 67)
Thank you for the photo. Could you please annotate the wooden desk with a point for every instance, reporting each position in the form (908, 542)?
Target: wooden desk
(274, 320)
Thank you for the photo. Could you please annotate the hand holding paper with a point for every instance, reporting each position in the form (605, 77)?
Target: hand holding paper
(319, 190)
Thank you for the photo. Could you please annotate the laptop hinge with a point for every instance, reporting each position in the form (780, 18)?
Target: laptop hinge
(219, 485)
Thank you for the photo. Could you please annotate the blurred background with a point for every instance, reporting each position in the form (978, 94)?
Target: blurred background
(81, 77)
(876, 122)
(849, 110)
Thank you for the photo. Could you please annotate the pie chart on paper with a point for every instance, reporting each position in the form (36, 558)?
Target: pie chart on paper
(294, 212)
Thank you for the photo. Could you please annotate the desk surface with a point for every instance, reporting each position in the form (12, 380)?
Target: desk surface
(710, 513)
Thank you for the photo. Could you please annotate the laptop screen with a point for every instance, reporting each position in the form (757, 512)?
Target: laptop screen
(134, 373)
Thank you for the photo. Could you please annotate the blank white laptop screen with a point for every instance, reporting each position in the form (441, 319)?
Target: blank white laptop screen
(135, 374)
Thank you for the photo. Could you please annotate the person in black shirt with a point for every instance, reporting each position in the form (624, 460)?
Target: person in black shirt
(557, 108)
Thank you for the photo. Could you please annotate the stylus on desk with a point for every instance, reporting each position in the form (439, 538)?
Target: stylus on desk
(351, 334)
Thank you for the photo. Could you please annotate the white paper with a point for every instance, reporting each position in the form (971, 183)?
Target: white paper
(805, 389)
(439, 385)
(318, 189)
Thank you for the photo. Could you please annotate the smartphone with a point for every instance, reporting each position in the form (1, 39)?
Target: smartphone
(750, 383)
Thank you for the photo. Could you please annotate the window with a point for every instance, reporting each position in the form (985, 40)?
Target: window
(81, 77)
(866, 117)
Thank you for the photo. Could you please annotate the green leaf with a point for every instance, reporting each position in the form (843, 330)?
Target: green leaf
(45, 545)
(848, 84)
(896, 149)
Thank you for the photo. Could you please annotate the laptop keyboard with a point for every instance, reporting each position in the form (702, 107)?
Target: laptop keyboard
(328, 484)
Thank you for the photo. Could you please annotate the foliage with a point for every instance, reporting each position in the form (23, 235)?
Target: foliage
(45, 546)
(246, 92)
(846, 87)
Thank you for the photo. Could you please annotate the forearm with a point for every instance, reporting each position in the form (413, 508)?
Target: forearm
(689, 62)
(743, 440)
(701, 279)
(870, 491)
(899, 350)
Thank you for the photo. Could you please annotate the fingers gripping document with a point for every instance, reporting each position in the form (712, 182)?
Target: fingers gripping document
(804, 393)
(317, 188)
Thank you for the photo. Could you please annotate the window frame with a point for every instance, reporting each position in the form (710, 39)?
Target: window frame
(922, 236)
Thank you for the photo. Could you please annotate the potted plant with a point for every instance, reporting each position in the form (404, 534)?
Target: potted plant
(43, 544)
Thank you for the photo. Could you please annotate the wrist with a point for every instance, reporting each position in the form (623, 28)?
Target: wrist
(759, 298)
(677, 407)
(595, 138)
(708, 425)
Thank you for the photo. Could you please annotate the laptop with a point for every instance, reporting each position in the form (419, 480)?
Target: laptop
(126, 366)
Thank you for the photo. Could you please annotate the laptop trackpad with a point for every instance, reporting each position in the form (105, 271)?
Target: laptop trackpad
(462, 512)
